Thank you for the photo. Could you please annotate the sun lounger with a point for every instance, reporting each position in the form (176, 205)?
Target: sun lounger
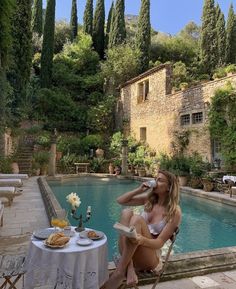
(9, 193)
(1, 213)
(11, 182)
(14, 176)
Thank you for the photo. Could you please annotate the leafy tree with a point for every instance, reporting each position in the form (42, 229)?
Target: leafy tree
(37, 17)
(117, 33)
(88, 17)
(191, 32)
(62, 35)
(74, 20)
(143, 37)
(222, 122)
(98, 28)
(109, 22)
(231, 36)
(120, 66)
(21, 52)
(221, 36)
(48, 45)
(208, 45)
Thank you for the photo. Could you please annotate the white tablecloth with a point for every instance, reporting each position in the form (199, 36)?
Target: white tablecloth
(232, 178)
(72, 267)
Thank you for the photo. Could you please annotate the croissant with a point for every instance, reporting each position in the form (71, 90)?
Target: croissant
(92, 234)
(58, 239)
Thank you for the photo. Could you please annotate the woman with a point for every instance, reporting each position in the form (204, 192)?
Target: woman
(157, 223)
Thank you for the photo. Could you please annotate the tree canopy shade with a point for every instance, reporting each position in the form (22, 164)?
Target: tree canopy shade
(208, 43)
(88, 18)
(143, 37)
(48, 45)
(222, 122)
(21, 51)
(74, 20)
(98, 28)
(117, 33)
(231, 36)
(37, 17)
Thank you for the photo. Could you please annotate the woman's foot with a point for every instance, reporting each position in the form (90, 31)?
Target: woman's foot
(132, 277)
(115, 280)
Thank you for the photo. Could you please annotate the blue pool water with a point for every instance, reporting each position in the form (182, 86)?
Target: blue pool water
(205, 224)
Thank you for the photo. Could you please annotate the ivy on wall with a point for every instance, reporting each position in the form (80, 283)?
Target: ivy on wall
(222, 122)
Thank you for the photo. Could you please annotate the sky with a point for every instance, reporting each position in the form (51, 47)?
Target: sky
(168, 16)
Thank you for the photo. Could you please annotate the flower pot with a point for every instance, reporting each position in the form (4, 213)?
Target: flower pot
(99, 153)
(58, 155)
(183, 180)
(141, 172)
(111, 169)
(15, 168)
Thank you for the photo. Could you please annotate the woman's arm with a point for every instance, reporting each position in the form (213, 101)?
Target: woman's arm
(135, 197)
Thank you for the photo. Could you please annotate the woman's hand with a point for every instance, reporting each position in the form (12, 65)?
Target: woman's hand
(139, 240)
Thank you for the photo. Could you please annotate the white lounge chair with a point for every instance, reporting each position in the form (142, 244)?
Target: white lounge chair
(1, 213)
(11, 182)
(9, 193)
(14, 176)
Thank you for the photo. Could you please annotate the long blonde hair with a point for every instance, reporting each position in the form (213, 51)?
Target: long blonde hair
(172, 200)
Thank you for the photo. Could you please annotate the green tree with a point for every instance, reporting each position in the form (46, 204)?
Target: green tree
(222, 122)
(88, 17)
(37, 17)
(208, 45)
(231, 36)
(143, 37)
(62, 35)
(117, 33)
(221, 36)
(74, 20)
(98, 28)
(21, 52)
(120, 66)
(48, 45)
(109, 22)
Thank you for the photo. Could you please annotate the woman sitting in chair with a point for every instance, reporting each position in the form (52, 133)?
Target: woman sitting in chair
(157, 223)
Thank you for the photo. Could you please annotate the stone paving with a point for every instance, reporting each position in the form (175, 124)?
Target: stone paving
(27, 214)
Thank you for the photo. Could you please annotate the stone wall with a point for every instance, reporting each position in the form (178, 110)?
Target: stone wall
(160, 114)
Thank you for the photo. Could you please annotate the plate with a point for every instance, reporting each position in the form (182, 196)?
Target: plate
(43, 233)
(99, 234)
(84, 242)
(54, 246)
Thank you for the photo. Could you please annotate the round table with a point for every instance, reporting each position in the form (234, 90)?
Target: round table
(71, 267)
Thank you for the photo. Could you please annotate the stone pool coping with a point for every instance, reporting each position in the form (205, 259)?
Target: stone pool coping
(180, 265)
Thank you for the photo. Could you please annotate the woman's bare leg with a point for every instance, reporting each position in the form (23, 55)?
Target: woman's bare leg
(128, 251)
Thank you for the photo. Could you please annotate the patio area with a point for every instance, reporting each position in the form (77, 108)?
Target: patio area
(27, 214)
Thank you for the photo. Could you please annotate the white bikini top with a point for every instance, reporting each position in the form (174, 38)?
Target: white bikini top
(156, 228)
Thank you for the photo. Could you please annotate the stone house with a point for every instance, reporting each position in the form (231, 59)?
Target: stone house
(148, 110)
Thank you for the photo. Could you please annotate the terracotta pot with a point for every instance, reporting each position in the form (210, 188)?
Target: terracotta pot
(58, 155)
(99, 153)
(141, 172)
(183, 180)
(15, 168)
(111, 169)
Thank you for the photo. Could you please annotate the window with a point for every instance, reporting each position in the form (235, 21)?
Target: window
(143, 91)
(185, 119)
(197, 117)
(143, 134)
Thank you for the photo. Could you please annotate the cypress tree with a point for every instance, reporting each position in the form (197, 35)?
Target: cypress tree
(37, 17)
(74, 20)
(143, 37)
(88, 17)
(118, 32)
(21, 52)
(48, 45)
(221, 36)
(109, 22)
(231, 36)
(98, 28)
(208, 44)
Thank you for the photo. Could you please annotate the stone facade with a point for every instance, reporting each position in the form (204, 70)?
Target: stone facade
(154, 114)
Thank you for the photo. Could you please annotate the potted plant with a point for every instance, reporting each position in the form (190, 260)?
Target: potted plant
(42, 158)
(207, 182)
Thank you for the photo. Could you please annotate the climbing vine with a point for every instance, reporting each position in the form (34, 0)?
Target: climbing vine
(222, 122)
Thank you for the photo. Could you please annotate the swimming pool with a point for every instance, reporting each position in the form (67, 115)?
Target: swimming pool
(206, 224)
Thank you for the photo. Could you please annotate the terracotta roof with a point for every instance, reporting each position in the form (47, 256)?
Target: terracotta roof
(144, 74)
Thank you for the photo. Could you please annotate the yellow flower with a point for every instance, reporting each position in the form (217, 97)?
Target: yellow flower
(74, 200)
